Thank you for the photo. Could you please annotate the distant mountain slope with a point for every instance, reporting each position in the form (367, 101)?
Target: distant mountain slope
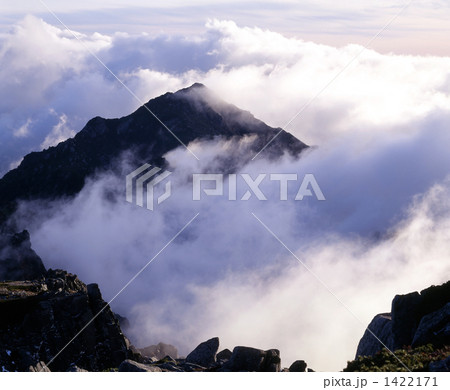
(193, 113)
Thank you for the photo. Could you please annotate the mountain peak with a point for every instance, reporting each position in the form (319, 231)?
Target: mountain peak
(195, 86)
(192, 114)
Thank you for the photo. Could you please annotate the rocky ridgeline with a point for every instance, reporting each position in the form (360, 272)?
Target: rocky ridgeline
(416, 319)
(39, 316)
(193, 114)
(207, 358)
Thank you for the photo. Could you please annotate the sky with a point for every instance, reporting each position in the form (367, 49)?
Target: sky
(379, 116)
(421, 29)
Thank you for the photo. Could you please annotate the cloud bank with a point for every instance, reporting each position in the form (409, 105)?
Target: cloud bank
(382, 163)
(226, 275)
(47, 74)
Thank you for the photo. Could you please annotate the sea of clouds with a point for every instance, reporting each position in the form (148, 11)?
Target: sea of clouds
(382, 163)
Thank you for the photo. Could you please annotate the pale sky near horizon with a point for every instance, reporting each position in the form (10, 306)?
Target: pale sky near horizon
(421, 29)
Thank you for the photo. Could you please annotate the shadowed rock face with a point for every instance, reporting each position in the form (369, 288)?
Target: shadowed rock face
(205, 353)
(191, 114)
(38, 318)
(416, 319)
(252, 359)
(159, 351)
(17, 260)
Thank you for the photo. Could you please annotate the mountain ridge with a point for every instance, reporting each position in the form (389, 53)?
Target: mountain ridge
(192, 113)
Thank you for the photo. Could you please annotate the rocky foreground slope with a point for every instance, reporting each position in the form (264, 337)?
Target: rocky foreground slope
(417, 330)
(51, 321)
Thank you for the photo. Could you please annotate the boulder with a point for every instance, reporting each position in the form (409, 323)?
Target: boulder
(415, 319)
(18, 261)
(434, 328)
(205, 353)
(224, 355)
(272, 361)
(40, 318)
(191, 367)
(381, 326)
(440, 366)
(159, 351)
(405, 318)
(252, 359)
(123, 322)
(132, 366)
(298, 366)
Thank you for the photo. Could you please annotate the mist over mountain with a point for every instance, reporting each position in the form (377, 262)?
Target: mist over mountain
(226, 274)
(192, 114)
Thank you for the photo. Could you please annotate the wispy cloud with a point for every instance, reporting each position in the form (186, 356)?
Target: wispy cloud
(382, 163)
(241, 64)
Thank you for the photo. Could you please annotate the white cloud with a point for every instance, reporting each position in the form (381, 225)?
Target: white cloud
(44, 68)
(422, 27)
(382, 231)
(23, 130)
(382, 127)
(59, 133)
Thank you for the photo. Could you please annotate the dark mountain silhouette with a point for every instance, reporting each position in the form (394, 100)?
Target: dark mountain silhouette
(193, 113)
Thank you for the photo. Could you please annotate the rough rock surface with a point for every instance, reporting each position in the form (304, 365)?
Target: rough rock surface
(17, 260)
(252, 359)
(405, 318)
(40, 317)
(434, 328)
(159, 351)
(441, 366)
(132, 366)
(193, 113)
(298, 366)
(224, 355)
(205, 353)
(381, 326)
(241, 359)
(416, 319)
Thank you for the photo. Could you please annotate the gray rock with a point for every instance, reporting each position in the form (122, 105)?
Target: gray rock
(246, 359)
(40, 317)
(159, 351)
(132, 366)
(169, 367)
(189, 367)
(224, 355)
(415, 319)
(381, 326)
(123, 322)
(18, 261)
(205, 353)
(272, 361)
(434, 328)
(440, 366)
(298, 366)
(405, 318)
(168, 359)
(252, 359)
